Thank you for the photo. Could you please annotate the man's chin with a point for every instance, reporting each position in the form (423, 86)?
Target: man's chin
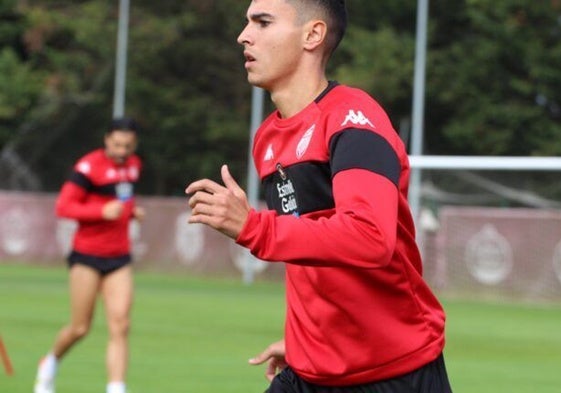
(255, 81)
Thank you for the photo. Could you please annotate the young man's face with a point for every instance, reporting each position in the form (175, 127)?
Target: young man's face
(119, 145)
(272, 41)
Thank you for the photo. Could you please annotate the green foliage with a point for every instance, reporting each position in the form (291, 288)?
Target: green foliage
(21, 88)
(373, 15)
(63, 46)
(493, 80)
(380, 62)
(199, 117)
(495, 88)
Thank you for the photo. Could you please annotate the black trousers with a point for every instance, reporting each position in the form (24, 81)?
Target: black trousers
(431, 378)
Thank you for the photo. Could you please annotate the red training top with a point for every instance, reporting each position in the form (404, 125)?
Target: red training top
(95, 181)
(335, 177)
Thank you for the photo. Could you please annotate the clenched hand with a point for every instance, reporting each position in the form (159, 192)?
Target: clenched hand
(222, 207)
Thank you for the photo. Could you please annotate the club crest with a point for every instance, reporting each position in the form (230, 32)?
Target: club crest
(305, 142)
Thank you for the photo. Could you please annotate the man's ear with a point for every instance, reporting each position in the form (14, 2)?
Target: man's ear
(316, 32)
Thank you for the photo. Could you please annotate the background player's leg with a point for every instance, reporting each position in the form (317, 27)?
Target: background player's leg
(117, 291)
(84, 285)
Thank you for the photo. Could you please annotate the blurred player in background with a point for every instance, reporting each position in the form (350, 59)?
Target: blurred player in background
(360, 317)
(100, 195)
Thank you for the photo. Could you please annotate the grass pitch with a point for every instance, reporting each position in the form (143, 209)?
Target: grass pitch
(193, 334)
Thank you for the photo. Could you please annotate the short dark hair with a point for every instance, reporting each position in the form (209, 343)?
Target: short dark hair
(335, 13)
(123, 124)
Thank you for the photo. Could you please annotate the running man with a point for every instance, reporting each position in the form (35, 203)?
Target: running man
(360, 317)
(100, 195)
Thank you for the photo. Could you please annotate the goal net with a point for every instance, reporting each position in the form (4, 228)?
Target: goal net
(489, 226)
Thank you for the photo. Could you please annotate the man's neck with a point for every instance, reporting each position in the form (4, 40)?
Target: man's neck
(298, 95)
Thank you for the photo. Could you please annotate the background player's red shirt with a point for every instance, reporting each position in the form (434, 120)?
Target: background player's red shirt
(96, 179)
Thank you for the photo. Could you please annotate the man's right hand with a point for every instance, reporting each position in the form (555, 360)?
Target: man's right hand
(274, 356)
(112, 210)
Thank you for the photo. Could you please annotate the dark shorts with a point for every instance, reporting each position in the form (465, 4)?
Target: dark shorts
(102, 265)
(431, 378)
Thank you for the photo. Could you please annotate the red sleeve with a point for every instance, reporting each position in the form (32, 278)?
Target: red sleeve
(71, 203)
(361, 232)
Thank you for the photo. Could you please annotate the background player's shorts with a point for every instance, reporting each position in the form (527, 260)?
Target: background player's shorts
(102, 265)
(431, 378)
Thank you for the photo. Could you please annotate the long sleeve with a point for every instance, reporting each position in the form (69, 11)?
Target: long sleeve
(72, 202)
(360, 232)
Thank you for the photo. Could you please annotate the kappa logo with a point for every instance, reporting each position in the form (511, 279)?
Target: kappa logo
(305, 142)
(357, 118)
(269, 154)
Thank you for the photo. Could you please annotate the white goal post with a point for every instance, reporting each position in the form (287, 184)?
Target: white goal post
(450, 162)
(518, 163)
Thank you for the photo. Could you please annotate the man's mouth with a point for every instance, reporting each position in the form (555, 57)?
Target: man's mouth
(248, 57)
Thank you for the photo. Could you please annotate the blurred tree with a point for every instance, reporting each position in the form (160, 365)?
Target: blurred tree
(64, 53)
(382, 64)
(494, 78)
(185, 84)
(188, 85)
(493, 86)
(377, 55)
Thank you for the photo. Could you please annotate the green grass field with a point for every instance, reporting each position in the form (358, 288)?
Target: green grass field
(193, 334)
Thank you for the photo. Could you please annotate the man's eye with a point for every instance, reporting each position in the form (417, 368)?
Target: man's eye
(264, 23)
